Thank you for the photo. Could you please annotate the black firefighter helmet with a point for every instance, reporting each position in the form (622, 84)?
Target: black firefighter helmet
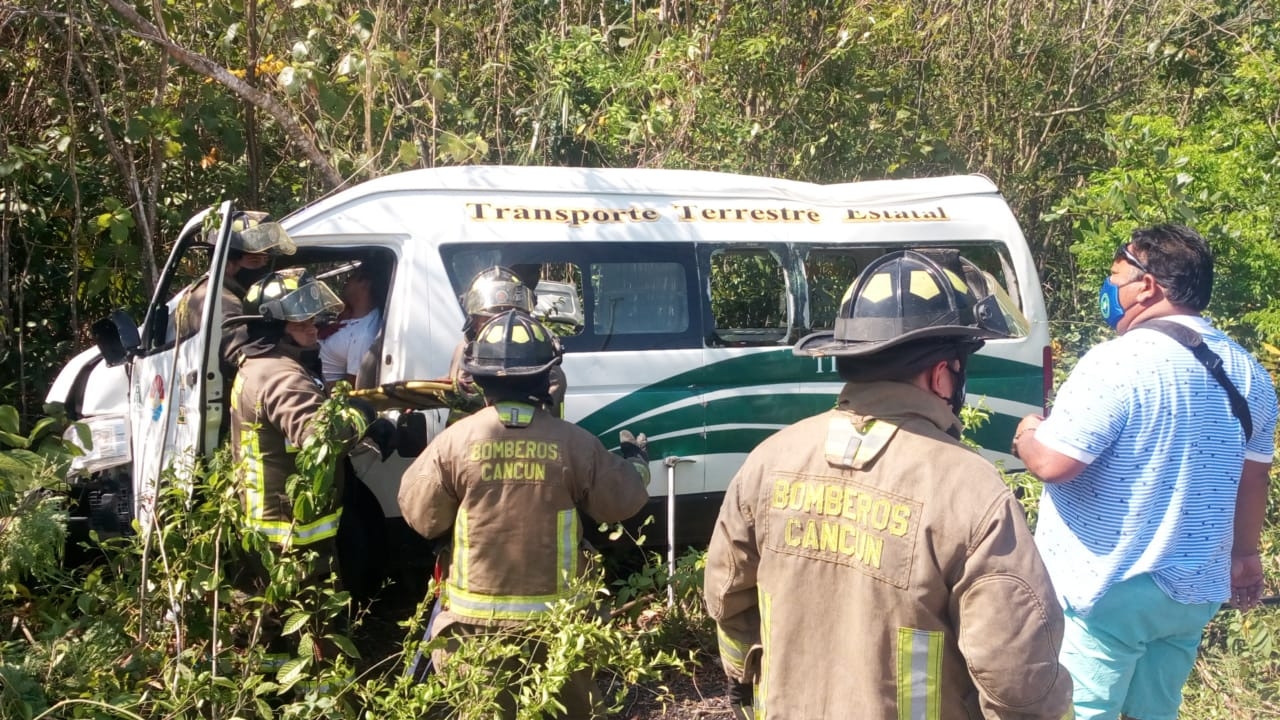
(290, 295)
(253, 232)
(908, 296)
(511, 345)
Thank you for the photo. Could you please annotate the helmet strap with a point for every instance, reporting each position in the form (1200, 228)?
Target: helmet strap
(958, 382)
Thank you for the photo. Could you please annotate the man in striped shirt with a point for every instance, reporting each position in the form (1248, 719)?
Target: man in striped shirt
(1156, 492)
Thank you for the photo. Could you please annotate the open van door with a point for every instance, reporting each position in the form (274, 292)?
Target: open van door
(176, 383)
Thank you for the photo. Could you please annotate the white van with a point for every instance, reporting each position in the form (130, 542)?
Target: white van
(682, 293)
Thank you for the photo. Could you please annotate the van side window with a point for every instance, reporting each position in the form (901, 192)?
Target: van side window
(599, 296)
(830, 272)
(639, 298)
(749, 298)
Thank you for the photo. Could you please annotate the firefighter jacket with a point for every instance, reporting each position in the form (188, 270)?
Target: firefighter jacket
(867, 565)
(273, 400)
(191, 309)
(510, 480)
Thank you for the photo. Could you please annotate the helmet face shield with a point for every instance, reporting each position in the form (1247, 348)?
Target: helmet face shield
(252, 232)
(265, 238)
(309, 301)
(291, 295)
(495, 290)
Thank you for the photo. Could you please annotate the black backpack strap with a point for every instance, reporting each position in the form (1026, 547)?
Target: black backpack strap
(1192, 340)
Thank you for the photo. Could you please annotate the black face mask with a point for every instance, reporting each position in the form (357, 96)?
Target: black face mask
(248, 276)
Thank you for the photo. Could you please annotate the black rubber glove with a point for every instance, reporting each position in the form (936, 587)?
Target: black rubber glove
(740, 698)
(365, 408)
(383, 434)
(634, 447)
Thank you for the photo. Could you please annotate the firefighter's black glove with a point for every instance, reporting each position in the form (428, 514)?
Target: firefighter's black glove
(383, 434)
(740, 698)
(365, 408)
(634, 447)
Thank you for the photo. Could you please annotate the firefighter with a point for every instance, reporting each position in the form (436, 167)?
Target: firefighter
(255, 242)
(276, 393)
(509, 481)
(867, 564)
(493, 291)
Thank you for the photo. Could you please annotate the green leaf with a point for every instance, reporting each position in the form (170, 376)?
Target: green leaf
(306, 647)
(294, 622)
(9, 418)
(291, 672)
(13, 469)
(13, 441)
(42, 425)
(408, 154)
(345, 645)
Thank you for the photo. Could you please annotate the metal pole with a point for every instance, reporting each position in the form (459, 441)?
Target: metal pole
(671, 463)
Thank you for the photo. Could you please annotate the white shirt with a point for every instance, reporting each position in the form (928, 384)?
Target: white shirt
(1164, 456)
(341, 352)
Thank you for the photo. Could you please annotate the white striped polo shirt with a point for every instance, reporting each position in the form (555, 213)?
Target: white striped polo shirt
(1164, 456)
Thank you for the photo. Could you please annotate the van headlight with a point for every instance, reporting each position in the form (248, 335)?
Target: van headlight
(110, 444)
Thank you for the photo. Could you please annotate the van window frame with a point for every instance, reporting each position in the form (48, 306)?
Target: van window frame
(801, 250)
(782, 252)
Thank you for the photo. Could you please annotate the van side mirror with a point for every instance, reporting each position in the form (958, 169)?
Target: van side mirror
(117, 338)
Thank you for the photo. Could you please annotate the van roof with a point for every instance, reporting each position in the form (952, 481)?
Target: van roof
(651, 182)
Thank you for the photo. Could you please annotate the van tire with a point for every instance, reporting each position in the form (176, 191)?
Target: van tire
(362, 539)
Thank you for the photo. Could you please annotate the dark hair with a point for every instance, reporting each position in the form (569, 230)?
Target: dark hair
(904, 362)
(516, 389)
(529, 274)
(1180, 260)
(378, 274)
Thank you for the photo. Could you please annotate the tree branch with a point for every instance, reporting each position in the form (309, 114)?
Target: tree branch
(128, 169)
(264, 102)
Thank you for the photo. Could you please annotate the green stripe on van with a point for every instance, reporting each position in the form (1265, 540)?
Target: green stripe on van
(990, 376)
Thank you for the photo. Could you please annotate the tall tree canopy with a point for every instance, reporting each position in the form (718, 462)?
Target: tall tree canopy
(120, 119)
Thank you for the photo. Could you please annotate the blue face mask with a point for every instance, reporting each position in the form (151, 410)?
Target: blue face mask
(1109, 302)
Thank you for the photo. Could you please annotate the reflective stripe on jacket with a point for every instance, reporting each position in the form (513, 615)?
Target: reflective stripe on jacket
(866, 564)
(511, 496)
(273, 401)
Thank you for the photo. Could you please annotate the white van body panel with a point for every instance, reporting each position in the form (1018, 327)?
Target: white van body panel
(416, 213)
(701, 390)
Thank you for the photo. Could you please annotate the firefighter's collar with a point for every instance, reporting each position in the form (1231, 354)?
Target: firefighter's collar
(853, 444)
(897, 401)
(514, 414)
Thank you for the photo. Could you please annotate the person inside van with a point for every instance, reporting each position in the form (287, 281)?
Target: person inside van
(343, 343)
(491, 292)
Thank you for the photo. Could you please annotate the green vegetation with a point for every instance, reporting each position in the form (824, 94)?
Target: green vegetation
(163, 624)
(117, 124)
(166, 624)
